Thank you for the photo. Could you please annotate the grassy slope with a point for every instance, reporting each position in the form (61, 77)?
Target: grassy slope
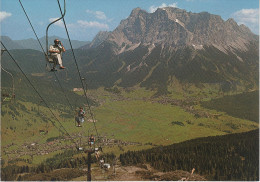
(24, 128)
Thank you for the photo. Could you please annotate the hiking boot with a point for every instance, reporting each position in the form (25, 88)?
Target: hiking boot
(62, 67)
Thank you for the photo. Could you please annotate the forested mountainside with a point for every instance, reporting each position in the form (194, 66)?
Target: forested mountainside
(229, 157)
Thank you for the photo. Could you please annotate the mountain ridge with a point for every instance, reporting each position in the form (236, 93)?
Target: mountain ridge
(32, 43)
(176, 28)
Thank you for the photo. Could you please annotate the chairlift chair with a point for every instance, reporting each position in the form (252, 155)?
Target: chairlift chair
(49, 58)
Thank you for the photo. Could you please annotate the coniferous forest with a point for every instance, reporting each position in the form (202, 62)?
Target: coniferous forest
(229, 157)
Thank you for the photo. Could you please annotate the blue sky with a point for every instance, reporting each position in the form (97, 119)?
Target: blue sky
(85, 18)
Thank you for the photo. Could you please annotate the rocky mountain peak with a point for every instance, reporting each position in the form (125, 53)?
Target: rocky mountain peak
(231, 21)
(135, 12)
(177, 28)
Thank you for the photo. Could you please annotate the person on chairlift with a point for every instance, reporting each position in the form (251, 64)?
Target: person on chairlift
(56, 54)
(97, 152)
(80, 116)
(102, 163)
(91, 140)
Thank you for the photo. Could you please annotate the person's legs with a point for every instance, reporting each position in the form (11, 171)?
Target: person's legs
(77, 120)
(55, 61)
(91, 143)
(59, 60)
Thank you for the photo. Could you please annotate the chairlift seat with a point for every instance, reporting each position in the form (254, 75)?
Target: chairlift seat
(51, 59)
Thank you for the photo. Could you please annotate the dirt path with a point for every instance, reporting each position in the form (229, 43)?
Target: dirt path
(128, 174)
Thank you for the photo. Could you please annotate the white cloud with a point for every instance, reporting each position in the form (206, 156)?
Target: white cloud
(101, 15)
(92, 24)
(248, 17)
(98, 14)
(58, 23)
(4, 15)
(154, 8)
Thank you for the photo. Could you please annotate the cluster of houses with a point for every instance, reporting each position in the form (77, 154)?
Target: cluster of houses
(63, 143)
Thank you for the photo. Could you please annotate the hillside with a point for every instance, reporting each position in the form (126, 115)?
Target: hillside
(10, 43)
(245, 105)
(230, 157)
(45, 83)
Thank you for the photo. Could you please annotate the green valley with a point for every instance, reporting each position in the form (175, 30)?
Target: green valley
(132, 118)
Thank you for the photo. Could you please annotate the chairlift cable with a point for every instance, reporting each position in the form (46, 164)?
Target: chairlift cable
(62, 16)
(28, 80)
(92, 116)
(45, 53)
(32, 26)
(61, 126)
(59, 129)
